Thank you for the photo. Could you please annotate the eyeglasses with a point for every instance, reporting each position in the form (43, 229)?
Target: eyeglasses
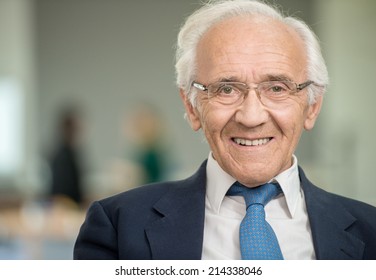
(272, 94)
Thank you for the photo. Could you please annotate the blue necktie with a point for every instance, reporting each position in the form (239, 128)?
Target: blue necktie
(257, 238)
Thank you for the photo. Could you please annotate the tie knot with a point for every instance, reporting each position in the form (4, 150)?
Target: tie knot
(258, 195)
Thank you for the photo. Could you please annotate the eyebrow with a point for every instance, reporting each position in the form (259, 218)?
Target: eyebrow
(279, 77)
(268, 77)
(228, 79)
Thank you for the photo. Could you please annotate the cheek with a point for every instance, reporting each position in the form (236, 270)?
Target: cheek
(214, 120)
(290, 122)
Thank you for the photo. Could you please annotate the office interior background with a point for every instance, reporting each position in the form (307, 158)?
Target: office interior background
(112, 61)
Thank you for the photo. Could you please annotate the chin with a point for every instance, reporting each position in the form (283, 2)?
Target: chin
(253, 176)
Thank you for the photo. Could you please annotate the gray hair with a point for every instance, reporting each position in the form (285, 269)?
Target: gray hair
(215, 11)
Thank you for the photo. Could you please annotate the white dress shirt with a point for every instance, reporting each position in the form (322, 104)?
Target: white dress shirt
(286, 214)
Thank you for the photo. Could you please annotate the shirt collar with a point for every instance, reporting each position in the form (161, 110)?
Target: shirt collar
(218, 183)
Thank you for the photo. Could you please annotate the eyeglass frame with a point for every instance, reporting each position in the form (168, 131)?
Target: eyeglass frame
(298, 87)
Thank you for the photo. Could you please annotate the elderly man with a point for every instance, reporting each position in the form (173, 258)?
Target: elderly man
(252, 80)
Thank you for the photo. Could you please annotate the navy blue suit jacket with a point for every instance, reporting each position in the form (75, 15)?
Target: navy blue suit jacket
(166, 221)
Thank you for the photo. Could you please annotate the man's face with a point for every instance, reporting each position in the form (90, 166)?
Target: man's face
(251, 142)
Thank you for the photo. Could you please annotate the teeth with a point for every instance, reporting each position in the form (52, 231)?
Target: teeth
(257, 142)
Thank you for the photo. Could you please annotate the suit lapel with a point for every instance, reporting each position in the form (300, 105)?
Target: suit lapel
(329, 222)
(176, 230)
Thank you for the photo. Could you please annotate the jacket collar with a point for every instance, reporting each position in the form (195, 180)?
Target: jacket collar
(329, 222)
(176, 230)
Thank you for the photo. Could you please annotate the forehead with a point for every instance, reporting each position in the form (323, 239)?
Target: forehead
(250, 47)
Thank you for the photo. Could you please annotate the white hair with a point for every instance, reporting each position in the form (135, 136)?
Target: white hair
(215, 11)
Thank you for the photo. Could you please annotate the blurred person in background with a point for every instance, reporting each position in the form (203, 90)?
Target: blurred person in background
(65, 164)
(144, 129)
(252, 80)
(146, 156)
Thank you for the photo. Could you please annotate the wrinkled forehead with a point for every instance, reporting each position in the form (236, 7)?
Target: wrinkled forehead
(246, 39)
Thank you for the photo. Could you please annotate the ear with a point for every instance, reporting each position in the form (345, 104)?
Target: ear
(191, 112)
(313, 113)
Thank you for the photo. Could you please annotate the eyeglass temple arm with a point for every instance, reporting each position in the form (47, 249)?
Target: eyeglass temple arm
(304, 85)
(199, 86)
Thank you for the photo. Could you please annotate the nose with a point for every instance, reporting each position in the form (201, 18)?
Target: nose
(251, 112)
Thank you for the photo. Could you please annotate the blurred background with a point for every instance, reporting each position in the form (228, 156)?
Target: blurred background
(89, 108)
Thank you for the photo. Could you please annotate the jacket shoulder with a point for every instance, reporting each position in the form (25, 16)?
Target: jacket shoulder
(137, 197)
(350, 215)
(115, 227)
(143, 198)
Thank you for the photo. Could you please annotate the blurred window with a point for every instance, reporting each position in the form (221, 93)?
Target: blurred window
(11, 126)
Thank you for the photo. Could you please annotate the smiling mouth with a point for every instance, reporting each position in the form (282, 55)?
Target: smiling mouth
(255, 142)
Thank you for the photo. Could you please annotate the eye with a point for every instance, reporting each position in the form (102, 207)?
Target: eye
(275, 88)
(226, 90)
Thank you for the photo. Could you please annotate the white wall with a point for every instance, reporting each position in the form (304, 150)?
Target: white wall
(17, 72)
